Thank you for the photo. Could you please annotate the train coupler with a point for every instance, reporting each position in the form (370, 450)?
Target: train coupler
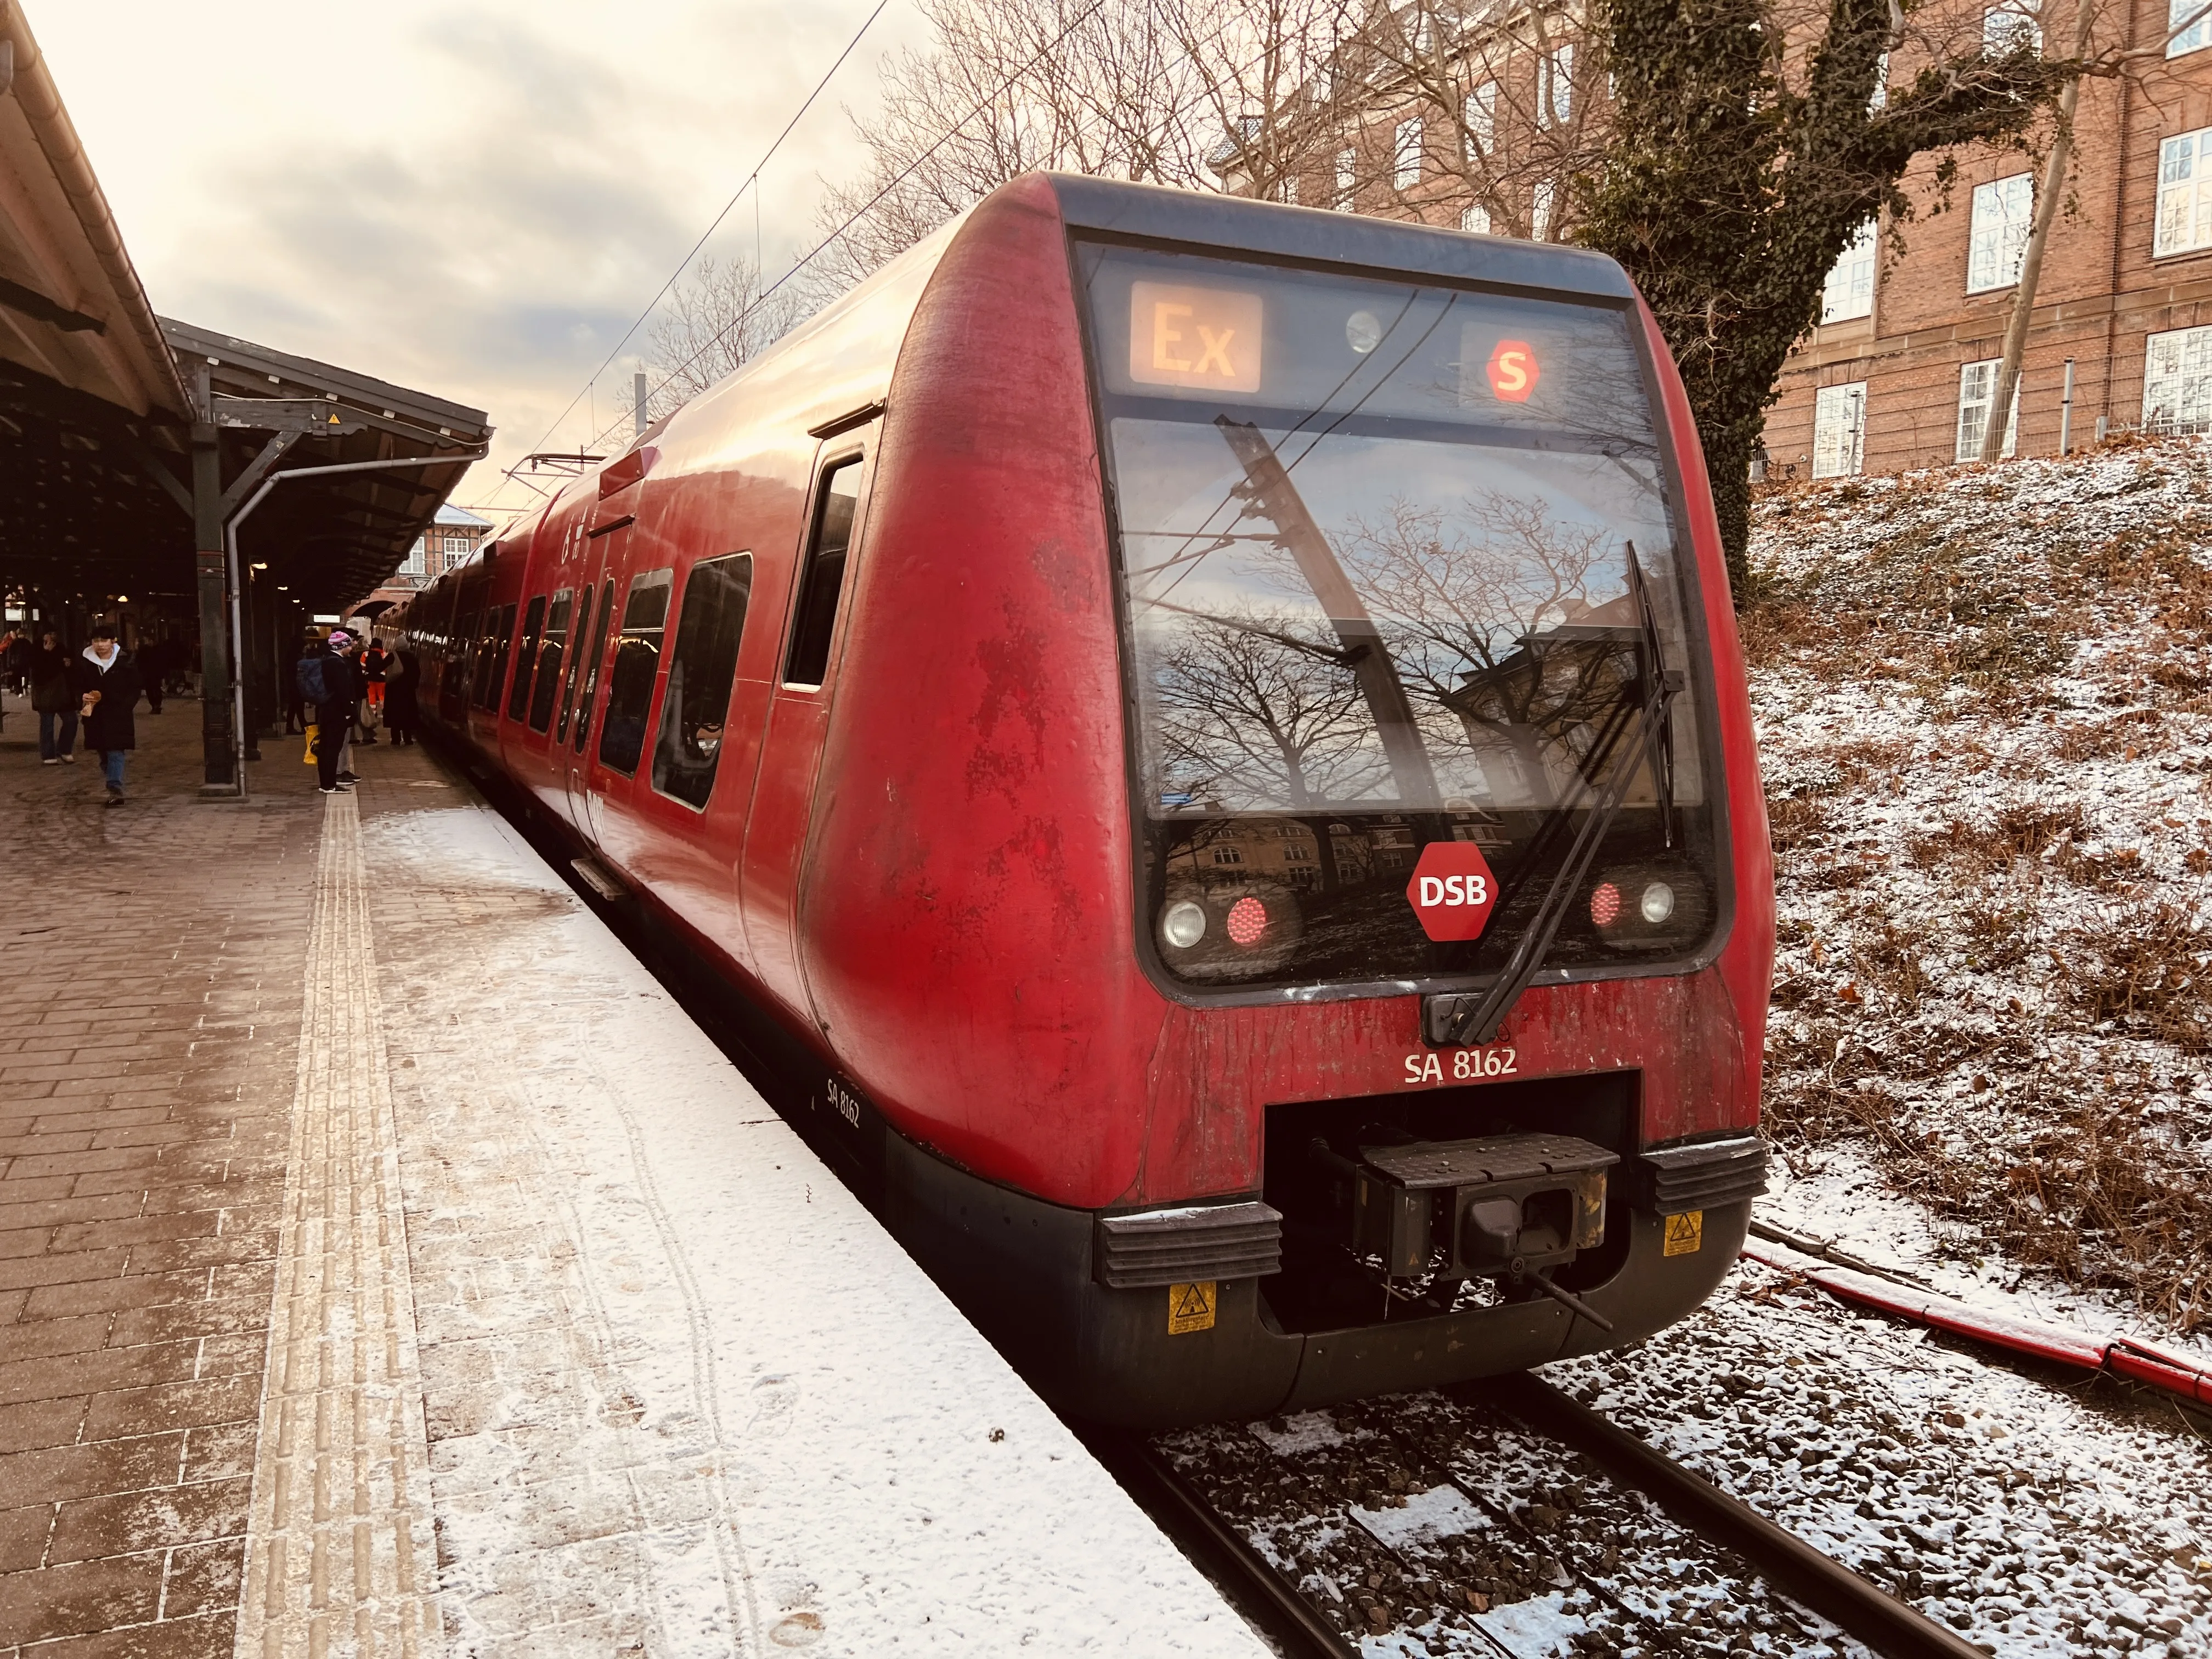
(1507, 1206)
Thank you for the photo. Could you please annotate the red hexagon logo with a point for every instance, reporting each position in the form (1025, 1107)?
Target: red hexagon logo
(1452, 891)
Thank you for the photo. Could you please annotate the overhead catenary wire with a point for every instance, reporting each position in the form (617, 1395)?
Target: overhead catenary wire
(906, 173)
(752, 182)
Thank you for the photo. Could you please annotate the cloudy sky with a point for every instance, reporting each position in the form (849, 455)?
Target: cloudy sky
(471, 198)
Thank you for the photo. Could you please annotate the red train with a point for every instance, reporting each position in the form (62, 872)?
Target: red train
(1214, 733)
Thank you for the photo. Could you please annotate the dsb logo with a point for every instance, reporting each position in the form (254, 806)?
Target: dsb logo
(1452, 891)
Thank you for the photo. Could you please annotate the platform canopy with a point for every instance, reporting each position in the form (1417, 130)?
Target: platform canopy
(99, 400)
(87, 381)
(331, 539)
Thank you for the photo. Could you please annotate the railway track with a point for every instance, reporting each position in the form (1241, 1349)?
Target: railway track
(1471, 1520)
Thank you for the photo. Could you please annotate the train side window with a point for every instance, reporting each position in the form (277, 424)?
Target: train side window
(637, 662)
(823, 576)
(702, 665)
(525, 661)
(583, 649)
(548, 684)
(491, 661)
(596, 651)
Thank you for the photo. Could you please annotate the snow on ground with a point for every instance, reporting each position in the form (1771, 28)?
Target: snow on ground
(685, 1395)
(1985, 698)
(2038, 1519)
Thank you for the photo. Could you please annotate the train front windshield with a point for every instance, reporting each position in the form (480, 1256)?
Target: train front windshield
(1392, 556)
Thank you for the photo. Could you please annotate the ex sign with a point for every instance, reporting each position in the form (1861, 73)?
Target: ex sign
(1452, 891)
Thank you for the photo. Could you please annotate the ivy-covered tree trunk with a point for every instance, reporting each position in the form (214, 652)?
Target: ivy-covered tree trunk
(1742, 163)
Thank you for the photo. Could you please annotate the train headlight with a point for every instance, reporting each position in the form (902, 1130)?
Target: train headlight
(1664, 905)
(1183, 924)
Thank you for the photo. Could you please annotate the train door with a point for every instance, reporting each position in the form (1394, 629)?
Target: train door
(631, 671)
(797, 717)
(604, 551)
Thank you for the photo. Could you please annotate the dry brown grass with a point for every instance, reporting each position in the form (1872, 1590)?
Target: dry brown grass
(2035, 1126)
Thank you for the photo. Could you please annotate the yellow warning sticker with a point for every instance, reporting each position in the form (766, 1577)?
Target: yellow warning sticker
(1190, 1308)
(1685, 1234)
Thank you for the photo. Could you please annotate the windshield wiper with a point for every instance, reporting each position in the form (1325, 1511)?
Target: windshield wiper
(1453, 1019)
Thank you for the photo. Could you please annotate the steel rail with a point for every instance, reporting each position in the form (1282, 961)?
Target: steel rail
(1248, 1578)
(1862, 1609)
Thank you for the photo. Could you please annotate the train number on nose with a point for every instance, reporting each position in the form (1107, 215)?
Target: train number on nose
(1465, 1065)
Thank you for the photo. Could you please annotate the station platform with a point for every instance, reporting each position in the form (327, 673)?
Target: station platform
(388, 1265)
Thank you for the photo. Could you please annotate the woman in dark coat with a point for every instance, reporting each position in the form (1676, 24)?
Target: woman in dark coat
(402, 717)
(54, 697)
(107, 680)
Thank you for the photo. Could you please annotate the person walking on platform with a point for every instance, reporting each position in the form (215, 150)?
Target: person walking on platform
(54, 701)
(402, 717)
(375, 668)
(106, 678)
(332, 684)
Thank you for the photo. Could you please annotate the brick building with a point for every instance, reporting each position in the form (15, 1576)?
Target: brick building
(1899, 373)
(452, 537)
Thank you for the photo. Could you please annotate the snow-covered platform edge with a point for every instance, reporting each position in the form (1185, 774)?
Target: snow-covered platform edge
(824, 1453)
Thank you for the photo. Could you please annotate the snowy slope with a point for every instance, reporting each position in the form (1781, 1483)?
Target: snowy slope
(1983, 702)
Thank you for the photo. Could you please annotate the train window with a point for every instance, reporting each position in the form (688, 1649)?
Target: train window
(824, 576)
(491, 657)
(525, 661)
(595, 651)
(636, 664)
(583, 649)
(701, 667)
(548, 685)
(1396, 558)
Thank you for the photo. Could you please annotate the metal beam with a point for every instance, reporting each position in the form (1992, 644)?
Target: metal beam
(256, 470)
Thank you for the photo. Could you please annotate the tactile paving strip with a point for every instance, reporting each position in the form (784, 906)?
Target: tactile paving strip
(340, 1552)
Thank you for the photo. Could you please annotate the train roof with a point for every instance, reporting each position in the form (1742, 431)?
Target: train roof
(1153, 213)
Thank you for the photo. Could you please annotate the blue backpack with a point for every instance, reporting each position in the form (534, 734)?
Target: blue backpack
(312, 686)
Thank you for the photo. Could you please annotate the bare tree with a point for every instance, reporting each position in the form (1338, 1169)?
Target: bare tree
(713, 321)
(1198, 94)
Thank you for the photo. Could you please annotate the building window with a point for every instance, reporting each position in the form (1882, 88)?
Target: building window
(1475, 219)
(1879, 97)
(2178, 381)
(457, 547)
(1555, 86)
(1839, 430)
(1482, 117)
(1848, 291)
(2012, 26)
(1227, 856)
(1998, 240)
(1540, 210)
(2189, 29)
(1406, 154)
(1290, 192)
(1978, 388)
(2184, 192)
(415, 567)
(1347, 178)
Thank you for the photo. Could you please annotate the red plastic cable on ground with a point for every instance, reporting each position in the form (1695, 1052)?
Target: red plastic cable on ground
(2122, 1357)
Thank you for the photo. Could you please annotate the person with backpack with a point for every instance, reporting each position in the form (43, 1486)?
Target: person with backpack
(332, 685)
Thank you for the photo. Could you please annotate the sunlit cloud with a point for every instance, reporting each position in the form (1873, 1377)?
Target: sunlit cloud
(471, 197)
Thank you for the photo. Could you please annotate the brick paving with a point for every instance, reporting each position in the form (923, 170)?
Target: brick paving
(151, 977)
